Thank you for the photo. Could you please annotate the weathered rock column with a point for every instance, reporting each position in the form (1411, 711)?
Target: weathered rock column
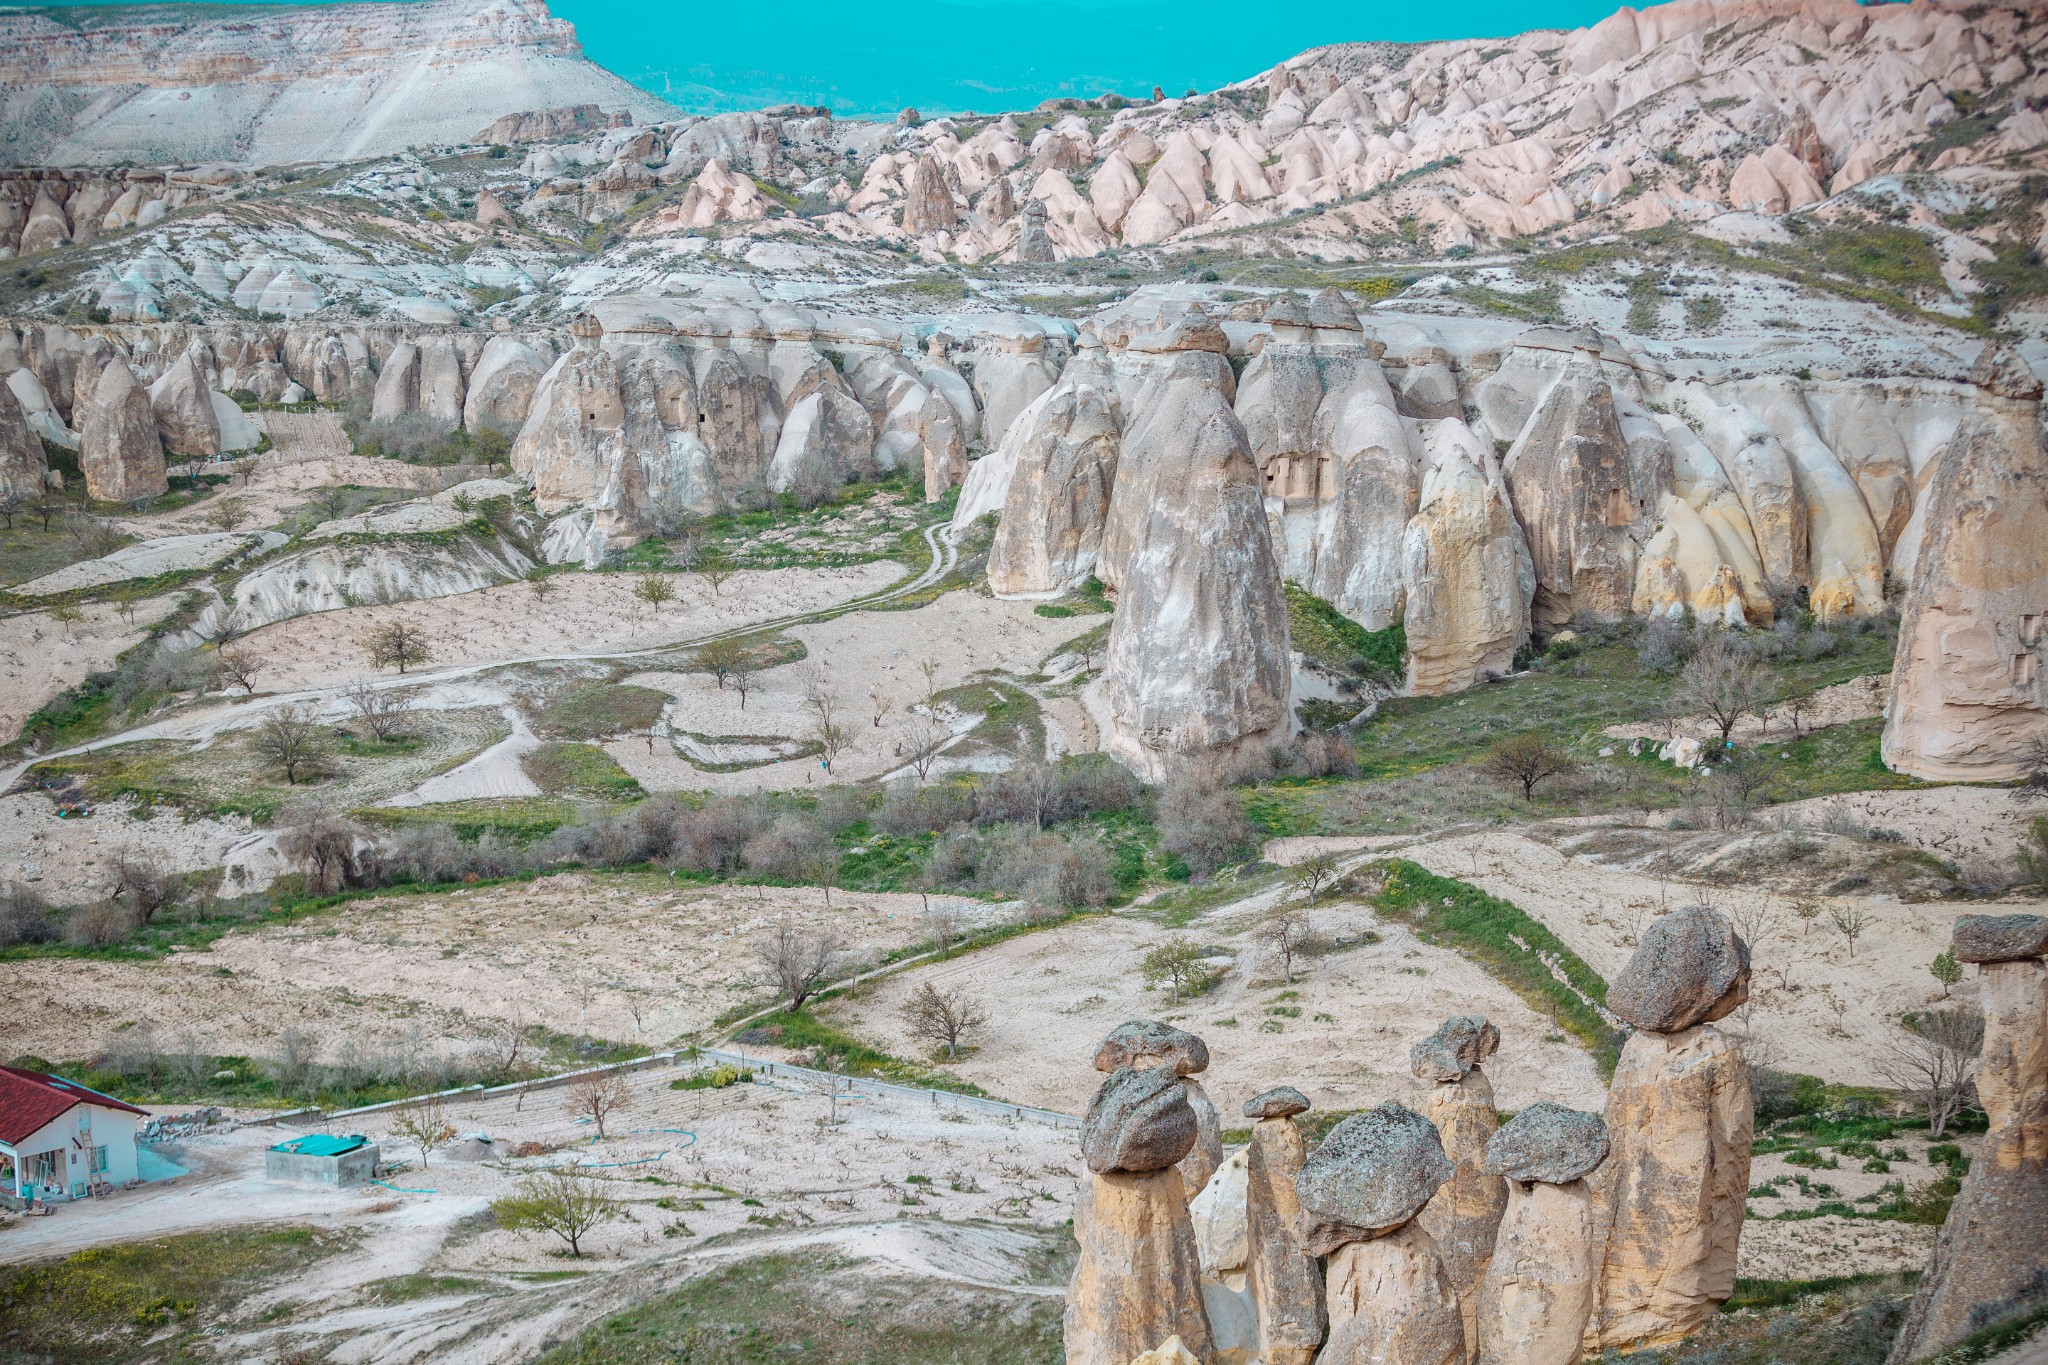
(1993, 1247)
(1537, 1297)
(1462, 1216)
(1142, 1043)
(118, 448)
(1138, 1281)
(1283, 1280)
(1670, 1199)
(1388, 1298)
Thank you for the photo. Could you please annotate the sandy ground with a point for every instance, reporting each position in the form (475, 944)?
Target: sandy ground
(1359, 1010)
(41, 656)
(1857, 699)
(857, 655)
(586, 613)
(1955, 823)
(72, 861)
(276, 482)
(748, 1169)
(1815, 1005)
(493, 773)
(631, 957)
(147, 559)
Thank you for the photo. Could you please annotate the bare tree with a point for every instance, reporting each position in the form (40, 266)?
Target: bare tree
(930, 667)
(944, 923)
(425, 1125)
(1850, 920)
(744, 674)
(941, 1017)
(321, 842)
(1527, 760)
(1285, 931)
(240, 666)
(1722, 683)
(1933, 1059)
(381, 710)
(1807, 909)
(881, 705)
(558, 1201)
(831, 740)
(540, 582)
(597, 1096)
(141, 884)
(1758, 919)
(11, 506)
(926, 736)
(290, 738)
(1311, 875)
(225, 514)
(397, 644)
(796, 961)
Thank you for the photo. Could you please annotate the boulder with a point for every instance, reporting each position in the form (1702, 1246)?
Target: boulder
(1990, 1255)
(183, 408)
(118, 448)
(1547, 1142)
(1669, 1199)
(1138, 1280)
(1969, 698)
(1460, 1043)
(1147, 1043)
(1690, 968)
(1372, 1174)
(1138, 1121)
(1282, 1280)
(1198, 656)
(2000, 938)
(24, 471)
(1391, 1304)
(1050, 534)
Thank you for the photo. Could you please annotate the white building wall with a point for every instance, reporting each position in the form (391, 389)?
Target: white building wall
(113, 1129)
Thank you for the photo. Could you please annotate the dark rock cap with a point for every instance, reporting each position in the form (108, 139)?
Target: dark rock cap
(1277, 1103)
(1460, 1043)
(2000, 371)
(1286, 311)
(1138, 1121)
(1372, 1174)
(1690, 968)
(1329, 308)
(1145, 1042)
(1547, 1142)
(2001, 938)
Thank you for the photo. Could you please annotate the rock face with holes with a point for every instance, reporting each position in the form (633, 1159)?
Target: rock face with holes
(1198, 656)
(1283, 1281)
(1462, 1216)
(1388, 1299)
(1139, 1277)
(118, 448)
(1969, 699)
(1990, 1254)
(1669, 1201)
(1537, 1296)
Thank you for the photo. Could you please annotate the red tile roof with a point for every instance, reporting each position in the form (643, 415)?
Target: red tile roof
(30, 1099)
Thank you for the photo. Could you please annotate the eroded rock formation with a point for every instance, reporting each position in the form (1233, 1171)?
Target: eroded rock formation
(118, 448)
(1537, 1296)
(1462, 1215)
(1144, 1044)
(1969, 698)
(1282, 1279)
(1990, 1256)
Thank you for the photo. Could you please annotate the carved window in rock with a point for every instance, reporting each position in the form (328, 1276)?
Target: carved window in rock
(2031, 628)
(1620, 511)
(2025, 671)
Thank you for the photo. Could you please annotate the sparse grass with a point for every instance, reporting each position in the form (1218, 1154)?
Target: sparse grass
(408, 1288)
(599, 711)
(1541, 305)
(819, 1309)
(1333, 641)
(580, 770)
(149, 1300)
(831, 1046)
(1840, 1320)
(521, 819)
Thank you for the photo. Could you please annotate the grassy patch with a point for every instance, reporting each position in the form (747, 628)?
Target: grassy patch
(152, 774)
(1842, 1320)
(580, 770)
(521, 819)
(146, 1300)
(827, 1043)
(1334, 641)
(408, 1288)
(599, 711)
(1542, 305)
(800, 1307)
(1511, 944)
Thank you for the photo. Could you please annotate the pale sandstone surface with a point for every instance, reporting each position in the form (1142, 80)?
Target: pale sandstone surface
(1538, 1292)
(1138, 1281)
(118, 448)
(1391, 1304)
(1284, 1282)
(1463, 1215)
(41, 656)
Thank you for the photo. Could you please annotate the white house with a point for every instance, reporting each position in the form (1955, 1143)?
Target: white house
(59, 1139)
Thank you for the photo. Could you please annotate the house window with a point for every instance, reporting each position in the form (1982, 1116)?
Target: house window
(42, 1169)
(99, 1159)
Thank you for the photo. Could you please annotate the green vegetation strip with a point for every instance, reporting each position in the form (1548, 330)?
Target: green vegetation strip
(1512, 945)
(832, 1045)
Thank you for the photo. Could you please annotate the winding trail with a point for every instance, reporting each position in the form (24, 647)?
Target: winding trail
(203, 726)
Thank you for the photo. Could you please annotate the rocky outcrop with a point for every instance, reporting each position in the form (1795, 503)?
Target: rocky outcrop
(1462, 1215)
(23, 467)
(1138, 1279)
(118, 448)
(1147, 1045)
(1198, 661)
(502, 385)
(183, 408)
(1670, 1198)
(1465, 568)
(1066, 460)
(1282, 1280)
(1537, 1297)
(1969, 698)
(1388, 1299)
(1990, 1258)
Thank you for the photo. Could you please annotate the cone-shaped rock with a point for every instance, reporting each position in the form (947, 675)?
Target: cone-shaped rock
(183, 408)
(1051, 529)
(1283, 1281)
(23, 468)
(1538, 1292)
(118, 448)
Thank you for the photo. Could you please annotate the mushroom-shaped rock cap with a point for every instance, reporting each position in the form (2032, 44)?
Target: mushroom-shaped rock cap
(1138, 1121)
(1145, 1043)
(1280, 1102)
(1690, 968)
(586, 327)
(1547, 1142)
(1373, 1173)
(2001, 938)
(1194, 331)
(1286, 311)
(2001, 372)
(1462, 1042)
(1329, 308)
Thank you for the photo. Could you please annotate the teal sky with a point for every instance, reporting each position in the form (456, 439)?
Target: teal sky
(873, 57)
